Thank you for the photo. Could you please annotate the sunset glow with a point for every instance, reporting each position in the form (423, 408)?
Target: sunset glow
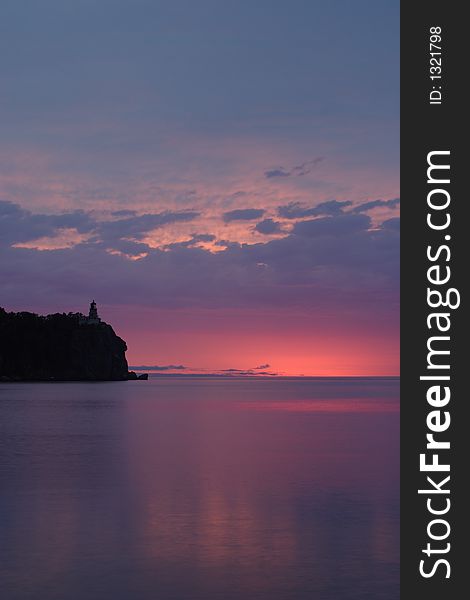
(226, 204)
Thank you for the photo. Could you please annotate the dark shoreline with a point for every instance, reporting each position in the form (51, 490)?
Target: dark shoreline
(132, 377)
(213, 376)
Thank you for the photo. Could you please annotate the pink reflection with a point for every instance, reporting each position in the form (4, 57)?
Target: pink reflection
(322, 406)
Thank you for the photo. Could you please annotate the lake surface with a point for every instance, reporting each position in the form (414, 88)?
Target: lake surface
(200, 489)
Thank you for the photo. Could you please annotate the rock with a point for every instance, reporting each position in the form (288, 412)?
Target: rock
(132, 376)
(57, 348)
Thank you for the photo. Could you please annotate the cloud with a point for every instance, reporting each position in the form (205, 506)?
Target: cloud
(277, 172)
(336, 226)
(261, 367)
(138, 226)
(393, 224)
(296, 210)
(323, 263)
(63, 237)
(394, 202)
(203, 237)
(123, 213)
(241, 372)
(195, 240)
(22, 228)
(243, 214)
(297, 171)
(18, 225)
(333, 208)
(268, 226)
(9, 208)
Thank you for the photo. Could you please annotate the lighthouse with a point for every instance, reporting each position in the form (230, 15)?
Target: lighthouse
(93, 317)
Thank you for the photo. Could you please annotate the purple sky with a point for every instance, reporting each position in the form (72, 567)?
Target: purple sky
(222, 177)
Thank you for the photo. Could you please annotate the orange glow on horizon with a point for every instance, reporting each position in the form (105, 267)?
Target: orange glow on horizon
(292, 345)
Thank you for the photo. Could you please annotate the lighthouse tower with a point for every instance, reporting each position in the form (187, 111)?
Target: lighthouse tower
(93, 317)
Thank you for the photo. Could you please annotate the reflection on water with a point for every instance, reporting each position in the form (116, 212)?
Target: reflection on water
(200, 489)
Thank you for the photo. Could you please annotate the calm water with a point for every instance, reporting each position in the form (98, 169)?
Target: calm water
(200, 489)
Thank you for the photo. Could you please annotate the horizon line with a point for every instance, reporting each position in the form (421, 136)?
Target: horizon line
(273, 376)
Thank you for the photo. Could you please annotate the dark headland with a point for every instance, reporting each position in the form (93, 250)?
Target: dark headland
(61, 347)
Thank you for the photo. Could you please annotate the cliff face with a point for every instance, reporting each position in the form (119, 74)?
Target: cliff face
(57, 347)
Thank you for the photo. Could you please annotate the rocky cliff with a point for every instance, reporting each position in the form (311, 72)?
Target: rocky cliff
(58, 348)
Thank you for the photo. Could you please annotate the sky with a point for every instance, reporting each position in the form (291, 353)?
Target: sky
(222, 177)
